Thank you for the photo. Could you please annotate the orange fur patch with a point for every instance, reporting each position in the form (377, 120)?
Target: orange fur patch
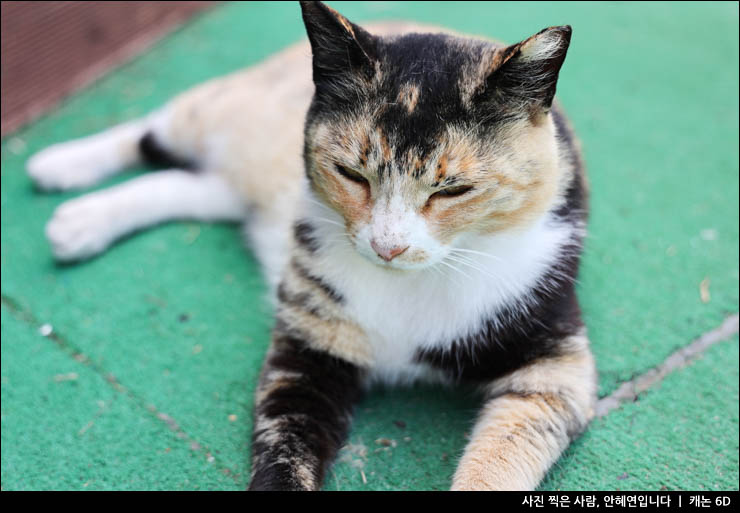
(408, 96)
(384, 146)
(514, 181)
(338, 337)
(364, 150)
(352, 200)
(534, 413)
(441, 168)
(341, 19)
(509, 449)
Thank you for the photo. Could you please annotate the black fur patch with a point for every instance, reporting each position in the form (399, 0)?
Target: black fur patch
(157, 155)
(575, 207)
(530, 82)
(298, 300)
(304, 236)
(340, 48)
(432, 63)
(276, 476)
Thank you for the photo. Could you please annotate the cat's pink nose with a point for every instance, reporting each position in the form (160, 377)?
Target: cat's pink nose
(385, 252)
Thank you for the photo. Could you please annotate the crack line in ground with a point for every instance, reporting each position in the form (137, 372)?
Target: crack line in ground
(80, 357)
(630, 390)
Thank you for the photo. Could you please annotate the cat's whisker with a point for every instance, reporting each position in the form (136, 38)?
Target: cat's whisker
(444, 272)
(464, 258)
(474, 252)
(320, 204)
(315, 202)
(338, 240)
(473, 265)
(436, 270)
(485, 270)
(330, 221)
(469, 264)
(456, 269)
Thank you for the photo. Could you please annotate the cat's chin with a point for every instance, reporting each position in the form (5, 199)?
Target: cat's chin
(397, 265)
(400, 267)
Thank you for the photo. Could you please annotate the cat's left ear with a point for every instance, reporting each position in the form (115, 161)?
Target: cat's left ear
(339, 47)
(525, 74)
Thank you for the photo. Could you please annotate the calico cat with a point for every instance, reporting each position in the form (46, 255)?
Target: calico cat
(425, 223)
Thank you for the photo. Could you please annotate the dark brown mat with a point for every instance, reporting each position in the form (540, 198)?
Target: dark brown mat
(51, 49)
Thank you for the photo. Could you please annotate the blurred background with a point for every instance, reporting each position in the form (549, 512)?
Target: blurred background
(137, 369)
(50, 49)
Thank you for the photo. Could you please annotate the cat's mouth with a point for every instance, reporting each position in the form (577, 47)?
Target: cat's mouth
(410, 259)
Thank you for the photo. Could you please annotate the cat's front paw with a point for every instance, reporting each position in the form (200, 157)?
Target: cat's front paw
(283, 477)
(473, 484)
(484, 476)
(81, 228)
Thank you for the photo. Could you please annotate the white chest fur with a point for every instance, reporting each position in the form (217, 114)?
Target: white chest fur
(403, 311)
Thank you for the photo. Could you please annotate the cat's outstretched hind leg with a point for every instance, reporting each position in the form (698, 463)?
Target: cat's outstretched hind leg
(89, 160)
(83, 227)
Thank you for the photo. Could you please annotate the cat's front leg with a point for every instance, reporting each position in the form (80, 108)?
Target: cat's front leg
(313, 375)
(531, 417)
(304, 407)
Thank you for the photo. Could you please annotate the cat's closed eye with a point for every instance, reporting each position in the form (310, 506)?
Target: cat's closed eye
(450, 192)
(350, 174)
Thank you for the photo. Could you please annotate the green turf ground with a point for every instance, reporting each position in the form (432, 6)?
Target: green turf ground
(147, 381)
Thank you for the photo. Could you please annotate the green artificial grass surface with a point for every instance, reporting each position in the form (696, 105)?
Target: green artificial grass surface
(680, 435)
(166, 332)
(63, 427)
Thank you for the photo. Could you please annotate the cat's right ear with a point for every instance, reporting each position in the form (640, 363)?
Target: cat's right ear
(524, 75)
(340, 48)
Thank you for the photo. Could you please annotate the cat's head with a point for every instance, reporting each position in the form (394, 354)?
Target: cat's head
(422, 140)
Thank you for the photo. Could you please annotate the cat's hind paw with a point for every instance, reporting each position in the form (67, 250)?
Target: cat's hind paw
(64, 166)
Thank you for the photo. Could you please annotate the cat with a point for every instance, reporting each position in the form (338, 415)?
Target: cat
(418, 202)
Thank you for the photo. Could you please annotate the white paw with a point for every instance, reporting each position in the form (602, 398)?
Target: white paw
(81, 228)
(66, 166)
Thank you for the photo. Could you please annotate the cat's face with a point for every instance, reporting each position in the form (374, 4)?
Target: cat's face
(420, 141)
